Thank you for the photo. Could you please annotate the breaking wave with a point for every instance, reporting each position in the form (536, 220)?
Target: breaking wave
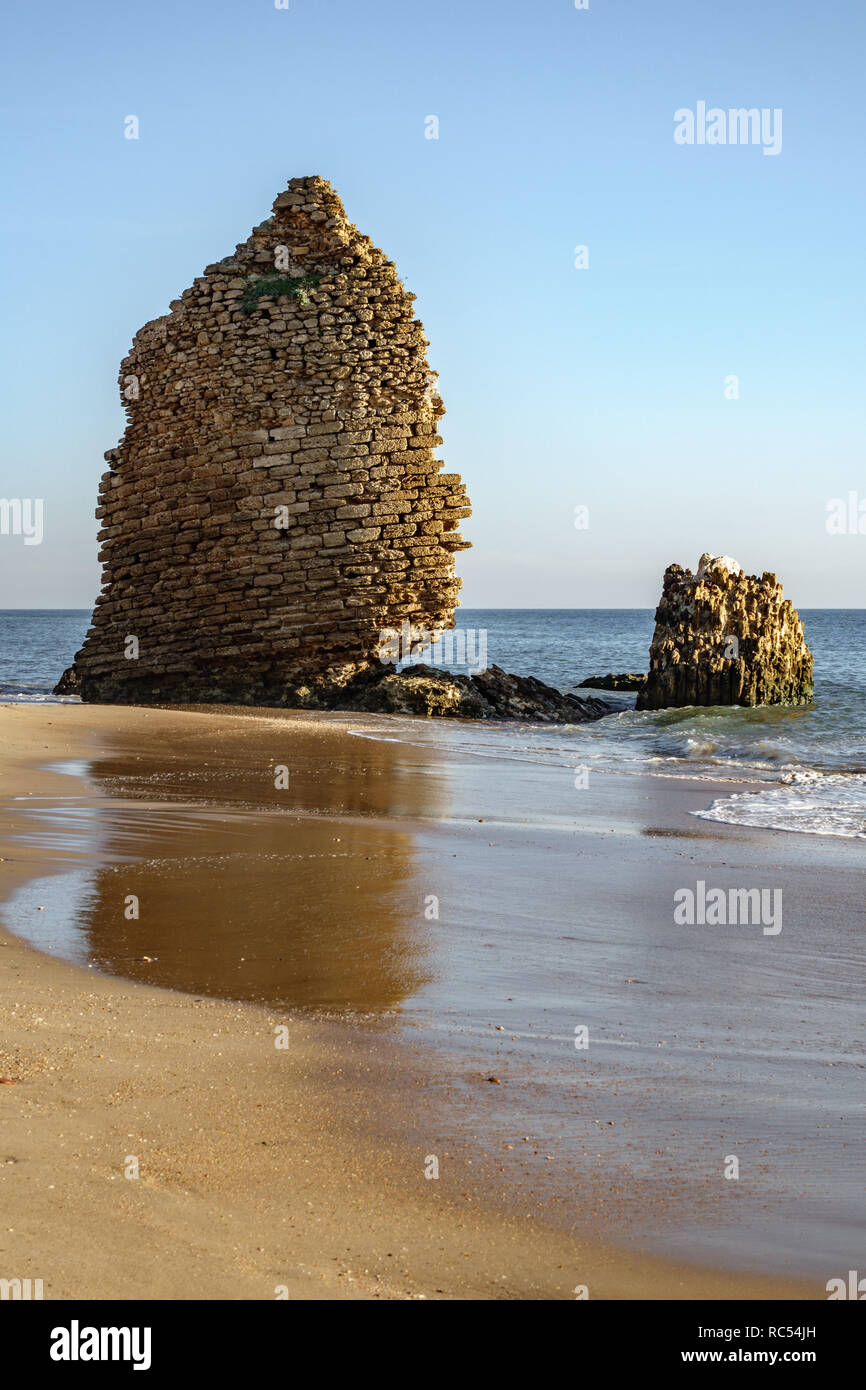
(804, 800)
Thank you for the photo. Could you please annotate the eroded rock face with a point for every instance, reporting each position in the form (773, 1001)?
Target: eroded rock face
(275, 502)
(723, 637)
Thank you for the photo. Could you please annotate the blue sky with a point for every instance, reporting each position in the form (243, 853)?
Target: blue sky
(602, 387)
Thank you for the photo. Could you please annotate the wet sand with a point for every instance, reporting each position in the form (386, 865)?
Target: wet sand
(308, 906)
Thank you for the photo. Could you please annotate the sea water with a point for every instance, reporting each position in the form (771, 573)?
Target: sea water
(808, 763)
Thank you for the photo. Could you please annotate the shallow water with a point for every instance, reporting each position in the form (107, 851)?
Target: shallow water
(486, 909)
(247, 906)
(824, 742)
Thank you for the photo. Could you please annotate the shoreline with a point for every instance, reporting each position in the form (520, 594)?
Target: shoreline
(183, 1104)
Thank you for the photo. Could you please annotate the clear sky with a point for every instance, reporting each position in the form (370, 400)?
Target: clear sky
(602, 387)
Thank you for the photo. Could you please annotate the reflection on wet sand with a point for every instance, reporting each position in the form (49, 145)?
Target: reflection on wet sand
(327, 773)
(260, 900)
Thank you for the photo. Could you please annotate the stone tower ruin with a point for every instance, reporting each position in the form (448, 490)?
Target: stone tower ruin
(275, 504)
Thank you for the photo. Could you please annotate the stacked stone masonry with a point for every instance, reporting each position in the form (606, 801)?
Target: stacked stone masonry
(275, 503)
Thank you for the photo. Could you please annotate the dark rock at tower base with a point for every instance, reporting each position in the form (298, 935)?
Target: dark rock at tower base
(418, 689)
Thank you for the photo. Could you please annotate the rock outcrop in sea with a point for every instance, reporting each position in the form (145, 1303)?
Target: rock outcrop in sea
(723, 637)
(275, 503)
(420, 689)
(626, 680)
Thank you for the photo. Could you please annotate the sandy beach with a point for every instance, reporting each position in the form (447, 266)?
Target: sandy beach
(265, 1168)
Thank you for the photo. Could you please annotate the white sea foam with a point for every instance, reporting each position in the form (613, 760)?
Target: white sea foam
(15, 695)
(806, 801)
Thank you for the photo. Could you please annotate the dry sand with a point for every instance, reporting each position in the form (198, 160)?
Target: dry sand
(259, 1167)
